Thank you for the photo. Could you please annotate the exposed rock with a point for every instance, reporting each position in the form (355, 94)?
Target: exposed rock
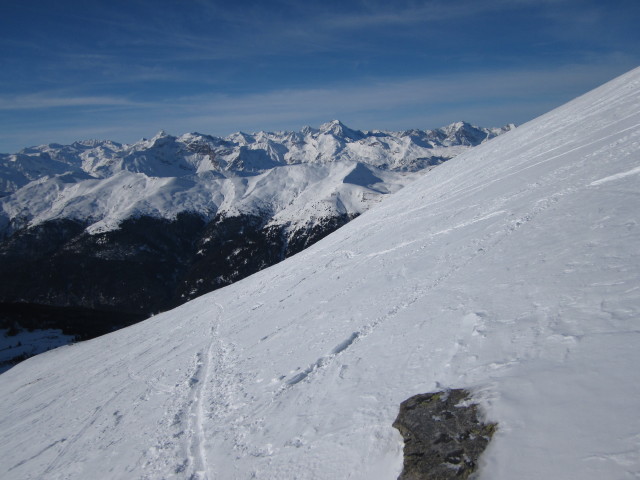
(443, 436)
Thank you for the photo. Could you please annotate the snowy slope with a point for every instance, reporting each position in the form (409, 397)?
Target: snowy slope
(512, 270)
(27, 343)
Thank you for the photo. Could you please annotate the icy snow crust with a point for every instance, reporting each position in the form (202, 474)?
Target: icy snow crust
(512, 270)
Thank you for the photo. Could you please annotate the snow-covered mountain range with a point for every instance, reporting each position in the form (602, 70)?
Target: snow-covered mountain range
(518, 282)
(102, 183)
(144, 227)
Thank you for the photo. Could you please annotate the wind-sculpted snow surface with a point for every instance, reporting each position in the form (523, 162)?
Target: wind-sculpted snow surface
(511, 271)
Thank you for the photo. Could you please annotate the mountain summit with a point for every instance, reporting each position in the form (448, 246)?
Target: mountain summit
(338, 129)
(517, 282)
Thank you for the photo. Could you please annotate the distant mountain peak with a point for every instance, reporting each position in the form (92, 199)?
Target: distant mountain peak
(307, 130)
(339, 129)
(458, 126)
(161, 133)
(331, 124)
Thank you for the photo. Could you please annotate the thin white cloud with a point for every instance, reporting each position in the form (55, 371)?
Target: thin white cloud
(375, 13)
(43, 101)
(499, 87)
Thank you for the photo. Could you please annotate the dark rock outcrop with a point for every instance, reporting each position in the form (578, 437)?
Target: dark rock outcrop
(443, 436)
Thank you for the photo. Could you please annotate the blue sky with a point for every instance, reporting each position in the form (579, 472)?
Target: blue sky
(123, 70)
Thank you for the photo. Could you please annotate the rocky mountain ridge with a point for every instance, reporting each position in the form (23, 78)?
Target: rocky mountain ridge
(165, 155)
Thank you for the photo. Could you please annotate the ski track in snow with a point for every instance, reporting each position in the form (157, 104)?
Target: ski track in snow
(208, 398)
(478, 248)
(195, 437)
(214, 396)
(617, 176)
(197, 405)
